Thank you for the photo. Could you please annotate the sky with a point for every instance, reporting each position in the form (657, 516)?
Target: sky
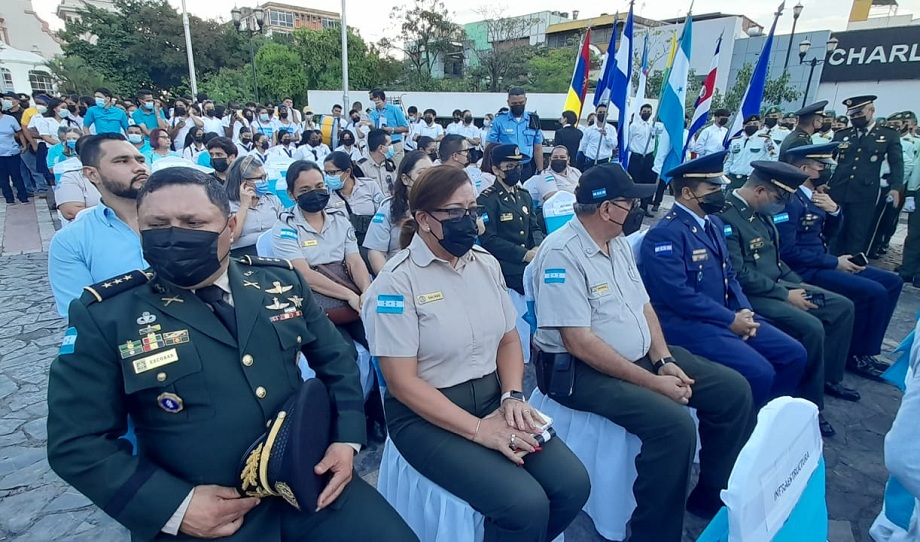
(371, 17)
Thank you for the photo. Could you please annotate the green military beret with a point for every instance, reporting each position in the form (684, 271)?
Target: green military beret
(830, 113)
(909, 115)
(773, 111)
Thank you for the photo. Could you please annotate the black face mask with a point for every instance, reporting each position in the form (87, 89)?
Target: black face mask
(264, 145)
(72, 108)
(245, 140)
(859, 122)
(645, 116)
(199, 139)
(287, 141)
(825, 127)
(599, 119)
(210, 112)
(512, 177)
(181, 256)
(770, 122)
(558, 165)
(313, 201)
(429, 120)
(347, 142)
(711, 203)
(750, 130)
(722, 121)
(433, 155)
(633, 221)
(459, 236)
(283, 114)
(355, 119)
(822, 179)
(517, 110)
(468, 119)
(82, 111)
(220, 165)
(180, 111)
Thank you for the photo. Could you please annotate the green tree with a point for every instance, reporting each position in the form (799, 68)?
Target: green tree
(321, 56)
(551, 69)
(776, 91)
(228, 85)
(425, 35)
(503, 58)
(280, 73)
(73, 76)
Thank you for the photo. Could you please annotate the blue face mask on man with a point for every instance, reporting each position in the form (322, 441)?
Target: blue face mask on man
(100, 102)
(390, 152)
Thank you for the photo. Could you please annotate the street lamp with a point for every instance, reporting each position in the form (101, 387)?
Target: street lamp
(796, 13)
(254, 25)
(804, 47)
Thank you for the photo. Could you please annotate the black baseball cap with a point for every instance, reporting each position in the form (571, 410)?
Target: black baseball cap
(609, 182)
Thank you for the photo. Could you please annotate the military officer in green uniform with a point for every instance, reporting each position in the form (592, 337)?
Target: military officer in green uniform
(811, 119)
(856, 183)
(202, 352)
(888, 215)
(821, 320)
(512, 232)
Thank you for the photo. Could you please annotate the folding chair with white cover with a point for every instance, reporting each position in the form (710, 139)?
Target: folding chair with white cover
(432, 512)
(776, 491)
(276, 168)
(558, 210)
(635, 243)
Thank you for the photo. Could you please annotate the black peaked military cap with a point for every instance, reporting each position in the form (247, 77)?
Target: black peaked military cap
(857, 103)
(780, 174)
(813, 109)
(506, 153)
(709, 168)
(822, 152)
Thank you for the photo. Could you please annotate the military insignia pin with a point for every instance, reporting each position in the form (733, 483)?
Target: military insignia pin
(170, 402)
(146, 318)
(278, 289)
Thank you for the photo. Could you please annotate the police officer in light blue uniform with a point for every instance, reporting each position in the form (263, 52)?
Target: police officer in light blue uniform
(811, 217)
(521, 128)
(687, 270)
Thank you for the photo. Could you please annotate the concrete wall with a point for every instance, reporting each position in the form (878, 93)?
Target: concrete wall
(26, 30)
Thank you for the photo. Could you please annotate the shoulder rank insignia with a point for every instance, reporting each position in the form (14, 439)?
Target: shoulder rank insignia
(106, 289)
(266, 262)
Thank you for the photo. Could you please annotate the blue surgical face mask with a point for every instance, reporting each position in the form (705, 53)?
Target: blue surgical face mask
(135, 138)
(334, 182)
(100, 102)
(72, 144)
(390, 152)
(261, 188)
(148, 105)
(7, 104)
(263, 117)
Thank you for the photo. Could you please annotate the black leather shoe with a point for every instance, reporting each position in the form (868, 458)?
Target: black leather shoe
(865, 368)
(838, 390)
(704, 502)
(883, 250)
(873, 256)
(877, 363)
(654, 208)
(648, 214)
(827, 430)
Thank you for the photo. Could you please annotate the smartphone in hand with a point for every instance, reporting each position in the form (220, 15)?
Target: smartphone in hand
(860, 259)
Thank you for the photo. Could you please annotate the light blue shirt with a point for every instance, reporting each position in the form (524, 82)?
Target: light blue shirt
(94, 247)
(107, 120)
(508, 130)
(9, 127)
(393, 118)
(699, 220)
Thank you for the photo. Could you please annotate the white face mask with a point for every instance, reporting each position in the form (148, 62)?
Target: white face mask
(41, 109)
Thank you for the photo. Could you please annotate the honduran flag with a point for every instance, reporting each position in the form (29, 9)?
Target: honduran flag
(671, 110)
(621, 86)
(578, 89)
(704, 101)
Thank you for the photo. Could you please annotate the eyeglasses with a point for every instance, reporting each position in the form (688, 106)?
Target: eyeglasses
(633, 204)
(511, 167)
(256, 179)
(458, 213)
(334, 172)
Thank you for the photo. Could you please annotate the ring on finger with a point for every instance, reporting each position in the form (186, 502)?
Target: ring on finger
(527, 411)
(513, 445)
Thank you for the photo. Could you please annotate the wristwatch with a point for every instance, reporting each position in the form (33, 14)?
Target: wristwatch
(513, 394)
(661, 363)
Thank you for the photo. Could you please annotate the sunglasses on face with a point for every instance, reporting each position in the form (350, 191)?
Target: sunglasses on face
(458, 213)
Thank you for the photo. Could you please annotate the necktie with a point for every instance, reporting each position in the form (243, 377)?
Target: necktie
(213, 296)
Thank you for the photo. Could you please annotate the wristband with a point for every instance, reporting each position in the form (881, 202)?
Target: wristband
(513, 394)
(662, 362)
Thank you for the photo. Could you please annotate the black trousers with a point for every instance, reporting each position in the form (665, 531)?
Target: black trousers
(659, 194)
(858, 226)
(887, 223)
(528, 170)
(360, 513)
(11, 174)
(824, 332)
(722, 398)
(530, 504)
(910, 259)
(640, 169)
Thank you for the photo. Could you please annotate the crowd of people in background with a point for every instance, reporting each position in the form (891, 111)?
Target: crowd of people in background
(415, 236)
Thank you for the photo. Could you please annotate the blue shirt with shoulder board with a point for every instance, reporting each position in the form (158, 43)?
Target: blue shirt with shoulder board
(508, 130)
(94, 247)
(107, 120)
(394, 118)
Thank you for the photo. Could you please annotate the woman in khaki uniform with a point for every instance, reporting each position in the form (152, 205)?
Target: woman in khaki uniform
(439, 319)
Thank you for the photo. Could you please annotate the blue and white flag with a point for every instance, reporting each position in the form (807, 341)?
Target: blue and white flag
(622, 85)
(671, 110)
(753, 96)
(605, 81)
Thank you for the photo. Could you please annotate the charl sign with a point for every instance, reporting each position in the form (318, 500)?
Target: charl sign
(875, 55)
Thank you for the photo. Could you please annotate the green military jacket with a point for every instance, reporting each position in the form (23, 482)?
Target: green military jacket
(797, 138)
(198, 397)
(859, 162)
(753, 243)
(511, 230)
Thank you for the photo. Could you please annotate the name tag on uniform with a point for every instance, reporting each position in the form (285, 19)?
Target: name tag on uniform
(505, 217)
(600, 289)
(756, 243)
(509, 130)
(288, 233)
(780, 218)
(310, 243)
(429, 298)
(700, 255)
(554, 276)
(727, 230)
(390, 304)
(157, 360)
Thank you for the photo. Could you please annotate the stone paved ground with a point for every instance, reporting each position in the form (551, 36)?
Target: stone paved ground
(35, 505)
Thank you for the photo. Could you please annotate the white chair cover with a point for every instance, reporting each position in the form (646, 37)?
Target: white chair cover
(177, 161)
(609, 454)
(264, 245)
(772, 470)
(635, 243)
(558, 210)
(433, 513)
(523, 327)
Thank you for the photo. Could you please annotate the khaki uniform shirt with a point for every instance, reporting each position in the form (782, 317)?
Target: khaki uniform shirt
(259, 219)
(383, 233)
(384, 174)
(364, 200)
(293, 237)
(576, 285)
(451, 319)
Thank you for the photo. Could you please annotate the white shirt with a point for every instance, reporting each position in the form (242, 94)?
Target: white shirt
(354, 153)
(409, 140)
(596, 146)
(237, 126)
(469, 132)
(312, 154)
(284, 152)
(642, 136)
(183, 132)
(743, 150)
(454, 127)
(709, 141)
(290, 126)
(435, 131)
(212, 124)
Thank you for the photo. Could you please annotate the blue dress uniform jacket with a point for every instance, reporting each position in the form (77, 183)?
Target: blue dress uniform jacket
(704, 288)
(199, 398)
(804, 230)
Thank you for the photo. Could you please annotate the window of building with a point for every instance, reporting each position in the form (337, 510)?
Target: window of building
(40, 81)
(6, 80)
(330, 23)
(281, 18)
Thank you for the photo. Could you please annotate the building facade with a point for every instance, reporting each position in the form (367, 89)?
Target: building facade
(286, 18)
(21, 28)
(69, 10)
